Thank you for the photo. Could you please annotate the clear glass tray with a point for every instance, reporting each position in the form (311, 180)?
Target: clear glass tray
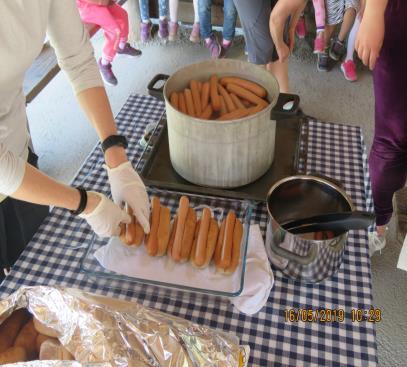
(147, 286)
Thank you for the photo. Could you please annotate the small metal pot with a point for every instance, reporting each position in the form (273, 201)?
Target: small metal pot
(309, 257)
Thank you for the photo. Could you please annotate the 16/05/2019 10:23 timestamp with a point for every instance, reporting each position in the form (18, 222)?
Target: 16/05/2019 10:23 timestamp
(332, 315)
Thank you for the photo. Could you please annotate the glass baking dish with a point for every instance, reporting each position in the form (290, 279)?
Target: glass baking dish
(155, 284)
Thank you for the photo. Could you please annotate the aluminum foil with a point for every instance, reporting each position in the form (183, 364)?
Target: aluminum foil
(106, 332)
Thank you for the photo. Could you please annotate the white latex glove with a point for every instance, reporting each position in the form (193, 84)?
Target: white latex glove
(105, 219)
(127, 187)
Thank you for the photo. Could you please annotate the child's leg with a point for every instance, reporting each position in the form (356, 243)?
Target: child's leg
(229, 23)
(123, 22)
(347, 23)
(163, 9)
(319, 7)
(205, 18)
(144, 11)
(350, 48)
(173, 5)
(280, 71)
(196, 11)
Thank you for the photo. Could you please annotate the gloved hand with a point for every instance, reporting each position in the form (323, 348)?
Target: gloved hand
(127, 187)
(105, 219)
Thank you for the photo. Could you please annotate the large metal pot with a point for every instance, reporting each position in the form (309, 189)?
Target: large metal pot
(308, 257)
(222, 154)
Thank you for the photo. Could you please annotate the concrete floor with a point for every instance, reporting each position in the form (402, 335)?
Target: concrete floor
(63, 138)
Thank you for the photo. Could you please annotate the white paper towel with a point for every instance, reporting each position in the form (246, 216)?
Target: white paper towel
(402, 263)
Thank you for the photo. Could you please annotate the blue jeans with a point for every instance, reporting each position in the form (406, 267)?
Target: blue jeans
(144, 10)
(229, 19)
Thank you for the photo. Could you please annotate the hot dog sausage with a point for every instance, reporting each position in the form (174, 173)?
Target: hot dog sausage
(244, 93)
(10, 327)
(182, 217)
(237, 239)
(139, 236)
(190, 103)
(188, 236)
(219, 242)
(182, 103)
(196, 234)
(236, 100)
(247, 84)
(174, 100)
(234, 115)
(203, 237)
(172, 237)
(207, 113)
(152, 242)
(214, 93)
(196, 97)
(226, 254)
(255, 109)
(230, 106)
(164, 230)
(211, 242)
(205, 95)
(223, 109)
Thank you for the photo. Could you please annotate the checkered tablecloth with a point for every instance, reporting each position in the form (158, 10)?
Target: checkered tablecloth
(54, 255)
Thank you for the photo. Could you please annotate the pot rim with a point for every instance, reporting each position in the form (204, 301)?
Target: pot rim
(268, 109)
(308, 178)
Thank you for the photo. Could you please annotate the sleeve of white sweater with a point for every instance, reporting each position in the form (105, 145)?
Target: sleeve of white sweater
(73, 49)
(12, 170)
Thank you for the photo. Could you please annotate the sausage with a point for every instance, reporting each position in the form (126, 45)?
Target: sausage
(207, 113)
(211, 242)
(244, 93)
(200, 85)
(45, 330)
(174, 100)
(238, 103)
(230, 106)
(255, 109)
(10, 328)
(226, 254)
(223, 109)
(219, 242)
(246, 103)
(246, 84)
(215, 100)
(193, 250)
(237, 114)
(26, 339)
(172, 237)
(205, 95)
(237, 239)
(182, 103)
(13, 355)
(130, 236)
(200, 253)
(139, 235)
(152, 242)
(182, 217)
(164, 230)
(188, 236)
(190, 102)
(196, 97)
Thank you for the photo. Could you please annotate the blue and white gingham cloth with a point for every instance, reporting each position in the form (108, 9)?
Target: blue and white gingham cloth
(54, 255)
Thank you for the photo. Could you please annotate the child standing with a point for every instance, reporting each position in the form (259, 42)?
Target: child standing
(112, 18)
(173, 25)
(146, 25)
(229, 24)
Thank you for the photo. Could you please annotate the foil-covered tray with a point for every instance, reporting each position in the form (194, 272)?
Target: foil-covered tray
(191, 279)
(106, 332)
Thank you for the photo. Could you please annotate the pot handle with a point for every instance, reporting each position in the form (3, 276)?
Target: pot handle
(291, 256)
(281, 110)
(157, 92)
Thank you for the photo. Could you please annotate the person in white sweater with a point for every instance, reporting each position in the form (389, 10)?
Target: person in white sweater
(24, 26)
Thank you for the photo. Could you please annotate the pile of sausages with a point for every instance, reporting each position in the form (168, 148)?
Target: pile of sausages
(229, 98)
(189, 239)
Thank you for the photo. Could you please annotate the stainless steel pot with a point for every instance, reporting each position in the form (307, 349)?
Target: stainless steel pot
(309, 257)
(228, 154)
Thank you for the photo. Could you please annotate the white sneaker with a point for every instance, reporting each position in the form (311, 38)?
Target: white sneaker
(376, 242)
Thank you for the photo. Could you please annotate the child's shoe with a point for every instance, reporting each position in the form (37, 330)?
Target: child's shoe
(226, 46)
(301, 29)
(145, 31)
(127, 50)
(377, 242)
(163, 29)
(195, 33)
(337, 50)
(107, 73)
(319, 43)
(349, 70)
(173, 30)
(323, 60)
(213, 46)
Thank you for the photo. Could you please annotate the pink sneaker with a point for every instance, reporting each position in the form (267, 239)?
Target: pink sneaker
(301, 29)
(319, 43)
(195, 34)
(349, 70)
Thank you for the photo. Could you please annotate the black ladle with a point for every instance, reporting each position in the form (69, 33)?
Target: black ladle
(335, 222)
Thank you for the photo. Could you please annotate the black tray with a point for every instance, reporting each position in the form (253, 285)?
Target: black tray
(157, 169)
